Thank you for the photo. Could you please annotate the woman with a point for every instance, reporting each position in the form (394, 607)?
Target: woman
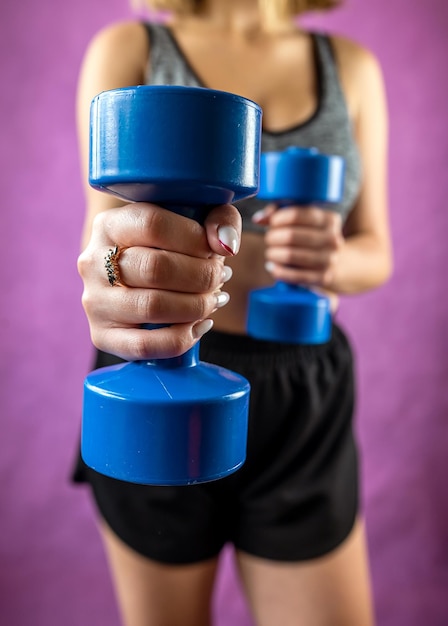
(292, 511)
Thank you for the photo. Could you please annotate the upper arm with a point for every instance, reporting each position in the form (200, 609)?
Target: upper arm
(116, 57)
(364, 87)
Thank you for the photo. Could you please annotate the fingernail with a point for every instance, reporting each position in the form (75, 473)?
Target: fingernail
(263, 213)
(228, 238)
(201, 328)
(259, 215)
(226, 274)
(222, 297)
(269, 266)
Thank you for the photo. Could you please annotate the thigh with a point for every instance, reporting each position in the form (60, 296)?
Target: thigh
(155, 594)
(332, 590)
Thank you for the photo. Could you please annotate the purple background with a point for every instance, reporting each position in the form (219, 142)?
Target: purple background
(52, 567)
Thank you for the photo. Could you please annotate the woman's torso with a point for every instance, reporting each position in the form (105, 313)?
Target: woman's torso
(295, 80)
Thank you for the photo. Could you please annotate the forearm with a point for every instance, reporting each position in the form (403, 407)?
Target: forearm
(363, 263)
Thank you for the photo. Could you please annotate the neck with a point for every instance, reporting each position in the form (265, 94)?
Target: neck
(237, 18)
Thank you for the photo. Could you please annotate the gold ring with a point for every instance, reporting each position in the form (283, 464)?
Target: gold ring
(111, 265)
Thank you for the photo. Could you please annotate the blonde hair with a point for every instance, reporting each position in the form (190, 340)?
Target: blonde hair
(271, 10)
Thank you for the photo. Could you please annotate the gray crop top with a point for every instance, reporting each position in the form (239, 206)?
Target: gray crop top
(329, 128)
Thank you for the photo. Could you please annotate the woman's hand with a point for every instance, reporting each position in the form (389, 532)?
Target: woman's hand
(302, 244)
(171, 271)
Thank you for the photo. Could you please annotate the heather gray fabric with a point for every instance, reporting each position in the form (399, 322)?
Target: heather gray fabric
(329, 128)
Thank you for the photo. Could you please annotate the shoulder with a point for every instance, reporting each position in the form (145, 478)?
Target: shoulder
(116, 57)
(123, 34)
(354, 57)
(119, 48)
(359, 69)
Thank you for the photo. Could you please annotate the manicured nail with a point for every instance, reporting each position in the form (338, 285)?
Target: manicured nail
(263, 213)
(222, 297)
(201, 328)
(228, 238)
(226, 274)
(259, 215)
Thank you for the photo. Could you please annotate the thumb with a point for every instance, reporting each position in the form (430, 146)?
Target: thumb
(223, 229)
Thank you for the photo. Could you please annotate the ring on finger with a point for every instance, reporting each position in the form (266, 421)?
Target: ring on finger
(112, 267)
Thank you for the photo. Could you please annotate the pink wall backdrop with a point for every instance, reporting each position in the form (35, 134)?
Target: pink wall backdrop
(52, 567)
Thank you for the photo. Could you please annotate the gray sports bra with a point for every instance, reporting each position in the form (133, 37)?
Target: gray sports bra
(329, 128)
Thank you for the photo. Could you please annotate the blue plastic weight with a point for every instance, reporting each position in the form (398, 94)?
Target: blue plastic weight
(172, 421)
(284, 312)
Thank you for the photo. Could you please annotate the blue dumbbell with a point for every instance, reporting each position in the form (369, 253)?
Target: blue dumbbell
(180, 420)
(289, 313)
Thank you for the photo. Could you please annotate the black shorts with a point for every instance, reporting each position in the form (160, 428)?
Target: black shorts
(296, 496)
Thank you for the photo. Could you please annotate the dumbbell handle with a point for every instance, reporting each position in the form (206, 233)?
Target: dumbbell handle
(191, 356)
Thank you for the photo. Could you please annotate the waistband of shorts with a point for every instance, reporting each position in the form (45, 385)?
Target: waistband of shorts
(246, 348)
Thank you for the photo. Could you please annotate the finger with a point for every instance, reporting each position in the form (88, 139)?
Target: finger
(223, 230)
(301, 236)
(300, 276)
(154, 268)
(148, 225)
(301, 257)
(135, 344)
(125, 306)
(312, 217)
